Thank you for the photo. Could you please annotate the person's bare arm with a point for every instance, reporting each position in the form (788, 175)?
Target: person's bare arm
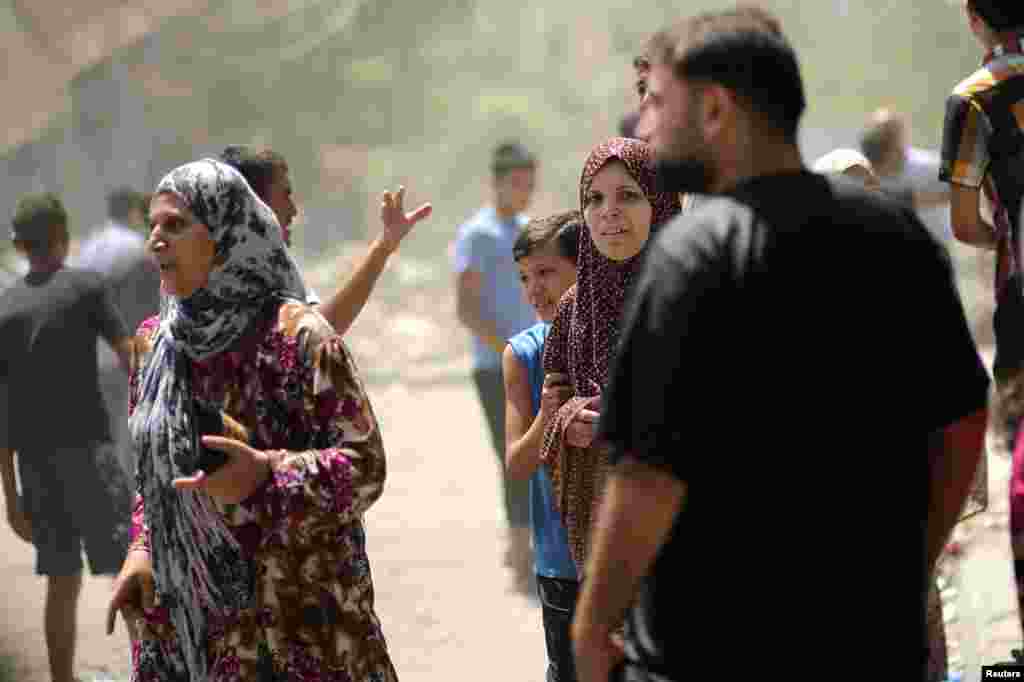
(16, 517)
(640, 506)
(468, 288)
(524, 430)
(344, 307)
(123, 348)
(965, 214)
(954, 454)
(925, 199)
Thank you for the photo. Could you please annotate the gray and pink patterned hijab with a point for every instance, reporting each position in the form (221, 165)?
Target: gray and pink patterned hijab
(200, 574)
(582, 339)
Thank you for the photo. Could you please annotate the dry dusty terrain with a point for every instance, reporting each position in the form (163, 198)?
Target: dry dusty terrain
(434, 541)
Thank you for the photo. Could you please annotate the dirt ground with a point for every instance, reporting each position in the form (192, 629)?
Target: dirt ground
(444, 599)
(434, 541)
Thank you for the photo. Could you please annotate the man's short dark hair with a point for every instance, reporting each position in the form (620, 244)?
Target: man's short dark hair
(39, 220)
(122, 201)
(509, 156)
(1000, 15)
(259, 166)
(562, 228)
(741, 49)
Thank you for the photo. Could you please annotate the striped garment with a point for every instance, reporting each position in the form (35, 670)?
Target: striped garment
(967, 153)
(965, 140)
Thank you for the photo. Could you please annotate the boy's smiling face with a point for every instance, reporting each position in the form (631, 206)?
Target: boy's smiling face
(546, 274)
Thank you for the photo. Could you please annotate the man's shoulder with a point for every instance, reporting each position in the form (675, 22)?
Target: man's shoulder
(483, 222)
(922, 159)
(83, 279)
(118, 231)
(112, 242)
(532, 335)
(872, 212)
(709, 223)
(728, 224)
(68, 287)
(974, 84)
(529, 343)
(15, 291)
(875, 227)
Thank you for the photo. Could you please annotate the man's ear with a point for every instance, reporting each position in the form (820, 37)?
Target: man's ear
(977, 24)
(717, 109)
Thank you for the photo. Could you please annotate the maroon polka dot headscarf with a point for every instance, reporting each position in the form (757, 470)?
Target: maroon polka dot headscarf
(582, 339)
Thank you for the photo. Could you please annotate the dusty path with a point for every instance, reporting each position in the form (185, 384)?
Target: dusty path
(434, 541)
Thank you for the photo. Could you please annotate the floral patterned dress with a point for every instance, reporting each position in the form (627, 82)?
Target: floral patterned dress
(293, 387)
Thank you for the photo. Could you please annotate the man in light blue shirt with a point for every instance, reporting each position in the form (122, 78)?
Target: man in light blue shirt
(117, 250)
(489, 303)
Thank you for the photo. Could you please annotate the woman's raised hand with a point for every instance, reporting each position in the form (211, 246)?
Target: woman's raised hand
(242, 475)
(398, 223)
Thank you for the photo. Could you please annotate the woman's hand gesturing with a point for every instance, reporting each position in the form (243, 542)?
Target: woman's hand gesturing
(242, 475)
(398, 223)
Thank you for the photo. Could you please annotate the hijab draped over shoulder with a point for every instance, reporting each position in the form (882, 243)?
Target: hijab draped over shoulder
(583, 337)
(199, 572)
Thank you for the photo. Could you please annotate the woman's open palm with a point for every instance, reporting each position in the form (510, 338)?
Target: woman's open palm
(398, 223)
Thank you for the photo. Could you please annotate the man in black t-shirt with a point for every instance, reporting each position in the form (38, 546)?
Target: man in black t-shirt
(796, 410)
(52, 416)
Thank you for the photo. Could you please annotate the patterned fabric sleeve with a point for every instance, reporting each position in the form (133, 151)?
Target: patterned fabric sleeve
(337, 483)
(571, 469)
(140, 532)
(965, 157)
(556, 361)
(140, 347)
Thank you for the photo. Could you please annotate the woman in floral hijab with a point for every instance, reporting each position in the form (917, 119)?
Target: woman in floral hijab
(258, 453)
(621, 209)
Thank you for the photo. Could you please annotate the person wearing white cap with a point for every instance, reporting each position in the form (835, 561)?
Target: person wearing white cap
(848, 162)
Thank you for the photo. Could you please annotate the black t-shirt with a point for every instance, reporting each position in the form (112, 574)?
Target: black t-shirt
(49, 389)
(787, 352)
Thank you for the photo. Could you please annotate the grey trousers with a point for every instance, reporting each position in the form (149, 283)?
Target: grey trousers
(490, 388)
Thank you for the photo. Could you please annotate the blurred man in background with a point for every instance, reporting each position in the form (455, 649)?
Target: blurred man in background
(489, 303)
(907, 173)
(117, 251)
(53, 423)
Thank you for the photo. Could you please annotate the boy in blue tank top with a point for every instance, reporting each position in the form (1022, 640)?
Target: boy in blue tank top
(545, 253)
